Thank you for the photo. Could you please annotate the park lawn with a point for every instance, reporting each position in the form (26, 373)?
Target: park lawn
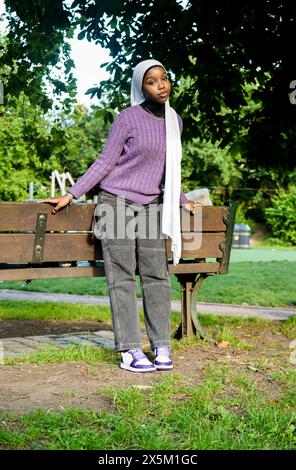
(237, 402)
(270, 284)
(53, 311)
(169, 415)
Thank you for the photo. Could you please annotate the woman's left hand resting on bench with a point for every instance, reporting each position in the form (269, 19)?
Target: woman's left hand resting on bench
(60, 201)
(191, 205)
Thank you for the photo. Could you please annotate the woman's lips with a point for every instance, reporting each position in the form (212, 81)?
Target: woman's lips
(163, 95)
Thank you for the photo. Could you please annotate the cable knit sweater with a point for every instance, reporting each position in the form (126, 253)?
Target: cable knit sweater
(132, 162)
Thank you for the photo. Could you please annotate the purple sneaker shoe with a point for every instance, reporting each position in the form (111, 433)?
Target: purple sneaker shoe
(135, 360)
(162, 359)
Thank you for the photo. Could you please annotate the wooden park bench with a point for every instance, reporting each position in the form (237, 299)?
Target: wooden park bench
(35, 244)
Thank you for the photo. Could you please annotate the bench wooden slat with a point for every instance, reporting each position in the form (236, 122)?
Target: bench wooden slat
(58, 247)
(18, 248)
(22, 216)
(78, 217)
(21, 274)
(209, 247)
(211, 217)
(184, 268)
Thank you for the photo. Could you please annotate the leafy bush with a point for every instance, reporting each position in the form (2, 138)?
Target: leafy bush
(281, 217)
(241, 218)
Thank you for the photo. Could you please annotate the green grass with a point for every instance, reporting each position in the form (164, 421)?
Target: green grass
(220, 327)
(91, 354)
(26, 310)
(263, 253)
(288, 328)
(269, 284)
(227, 411)
(226, 408)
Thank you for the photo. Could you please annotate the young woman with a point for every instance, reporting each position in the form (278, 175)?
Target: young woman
(135, 213)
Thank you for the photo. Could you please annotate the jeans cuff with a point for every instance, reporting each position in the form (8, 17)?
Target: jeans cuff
(125, 347)
(159, 344)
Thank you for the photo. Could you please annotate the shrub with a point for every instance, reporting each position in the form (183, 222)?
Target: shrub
(281, 217)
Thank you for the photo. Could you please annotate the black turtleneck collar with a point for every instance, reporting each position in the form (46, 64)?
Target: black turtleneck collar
(157, 109)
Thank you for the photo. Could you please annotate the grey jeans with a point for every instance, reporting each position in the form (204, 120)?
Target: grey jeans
(130, 236)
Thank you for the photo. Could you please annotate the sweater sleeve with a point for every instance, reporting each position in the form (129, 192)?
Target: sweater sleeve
(109, 157)
(183, 199)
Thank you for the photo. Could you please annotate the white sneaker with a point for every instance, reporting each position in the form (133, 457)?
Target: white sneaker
(135, 360)
(162, 359)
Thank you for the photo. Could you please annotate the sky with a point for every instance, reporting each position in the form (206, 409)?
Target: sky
(87, 57)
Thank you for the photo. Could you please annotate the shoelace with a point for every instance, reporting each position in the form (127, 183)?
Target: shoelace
(137, 354)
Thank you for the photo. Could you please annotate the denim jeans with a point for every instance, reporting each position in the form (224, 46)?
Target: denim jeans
(131, 237)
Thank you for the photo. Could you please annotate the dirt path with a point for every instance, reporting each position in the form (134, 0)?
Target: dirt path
(25, 387)
(14, 327)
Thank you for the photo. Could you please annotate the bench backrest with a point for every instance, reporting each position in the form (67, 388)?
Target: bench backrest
(32, 237)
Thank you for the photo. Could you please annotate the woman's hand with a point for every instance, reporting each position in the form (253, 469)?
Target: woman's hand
(191, 205)
(60, 202)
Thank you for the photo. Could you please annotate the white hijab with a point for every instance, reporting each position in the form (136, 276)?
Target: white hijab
(171, 204)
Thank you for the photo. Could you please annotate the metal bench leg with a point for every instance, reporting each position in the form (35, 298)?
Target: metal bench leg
(190, 284)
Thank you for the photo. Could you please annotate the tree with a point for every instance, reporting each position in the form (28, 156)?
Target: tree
(35, 52)
(85, 135)
(30, 147)
(218, 47)
(33, 143)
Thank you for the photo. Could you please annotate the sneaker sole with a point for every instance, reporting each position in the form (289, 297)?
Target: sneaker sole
(133, 369)
(164, 367)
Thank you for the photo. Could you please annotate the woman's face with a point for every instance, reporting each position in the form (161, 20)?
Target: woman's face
(156, 85)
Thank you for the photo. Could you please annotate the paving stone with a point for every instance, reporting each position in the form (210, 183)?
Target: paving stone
(104, 334)
(17, 347)
(13, 346)
(29, 342)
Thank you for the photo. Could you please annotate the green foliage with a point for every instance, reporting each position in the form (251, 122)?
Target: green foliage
(33, 143)
(30, 146)
(37, 52)
(281, 217)
(241, 218)
(216, 51)
(86, 133)
(206, 165)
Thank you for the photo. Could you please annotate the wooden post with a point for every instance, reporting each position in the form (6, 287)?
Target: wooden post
(187, 327)
(190, 284)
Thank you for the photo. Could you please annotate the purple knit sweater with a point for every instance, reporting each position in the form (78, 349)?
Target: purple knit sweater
(132, 162)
